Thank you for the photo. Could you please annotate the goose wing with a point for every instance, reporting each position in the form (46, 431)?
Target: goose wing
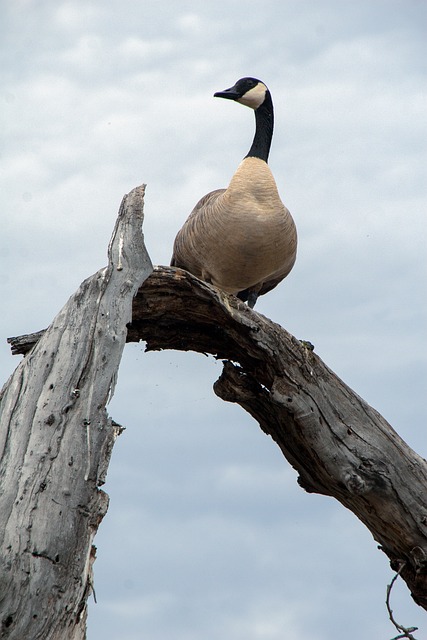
(186, 250)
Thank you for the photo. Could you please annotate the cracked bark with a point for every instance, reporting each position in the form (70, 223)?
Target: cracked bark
(55, 442)
(339, 445)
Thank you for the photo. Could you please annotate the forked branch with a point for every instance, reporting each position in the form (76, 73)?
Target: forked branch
(339, 445)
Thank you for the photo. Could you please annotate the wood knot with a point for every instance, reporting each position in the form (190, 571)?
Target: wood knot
(355, 483)
(419, 557)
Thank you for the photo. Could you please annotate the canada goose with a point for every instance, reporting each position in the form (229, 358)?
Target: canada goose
(242, 239)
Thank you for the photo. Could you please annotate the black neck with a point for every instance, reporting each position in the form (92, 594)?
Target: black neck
(264, 121)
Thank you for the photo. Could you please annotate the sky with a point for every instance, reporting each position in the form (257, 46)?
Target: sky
(208, 534)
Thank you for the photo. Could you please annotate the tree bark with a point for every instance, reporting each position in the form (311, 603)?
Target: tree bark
(339, 445)
(55, 443)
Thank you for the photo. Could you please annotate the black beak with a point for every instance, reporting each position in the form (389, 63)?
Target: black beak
(230, 94)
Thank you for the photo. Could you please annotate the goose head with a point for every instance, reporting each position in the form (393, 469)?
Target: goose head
(254, 94)
(248, 91)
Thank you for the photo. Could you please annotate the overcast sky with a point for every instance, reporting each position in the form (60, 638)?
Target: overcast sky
(208, 535)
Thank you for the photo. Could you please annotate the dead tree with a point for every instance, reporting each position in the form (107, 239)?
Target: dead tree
(56, 436)
(55, 444)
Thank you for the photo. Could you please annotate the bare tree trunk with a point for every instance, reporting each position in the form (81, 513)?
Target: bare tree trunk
(339, 445)
(55, 443)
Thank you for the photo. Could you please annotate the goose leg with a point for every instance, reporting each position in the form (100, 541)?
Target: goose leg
(248, 295)
(252, 298)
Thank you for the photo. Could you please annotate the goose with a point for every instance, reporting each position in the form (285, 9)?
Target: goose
(242, 239)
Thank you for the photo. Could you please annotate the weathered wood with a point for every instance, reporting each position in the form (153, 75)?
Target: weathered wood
(339, 445)
(21, 345)
(55, 443)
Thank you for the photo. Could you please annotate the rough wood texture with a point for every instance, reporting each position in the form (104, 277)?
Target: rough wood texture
(55, 443)
(339, 445)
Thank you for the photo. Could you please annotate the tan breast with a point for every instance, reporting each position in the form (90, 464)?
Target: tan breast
(241, 237)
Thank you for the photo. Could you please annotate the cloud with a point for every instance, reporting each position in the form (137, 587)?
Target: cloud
(208, 533)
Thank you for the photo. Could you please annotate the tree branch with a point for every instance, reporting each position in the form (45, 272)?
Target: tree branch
(55, 443)
(404, 632)
(339, 445)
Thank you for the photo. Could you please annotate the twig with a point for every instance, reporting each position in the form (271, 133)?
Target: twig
(405, 632)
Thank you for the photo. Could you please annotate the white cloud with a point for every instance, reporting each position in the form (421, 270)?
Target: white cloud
(140, 49)
(99, 97)
(75, 16)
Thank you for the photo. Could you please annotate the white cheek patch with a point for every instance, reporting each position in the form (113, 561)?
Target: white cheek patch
(254, 97)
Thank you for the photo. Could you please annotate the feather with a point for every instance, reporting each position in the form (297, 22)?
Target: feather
(241, 239)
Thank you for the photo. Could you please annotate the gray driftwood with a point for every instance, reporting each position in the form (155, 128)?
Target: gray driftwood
(55, 444)
(339, 445)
